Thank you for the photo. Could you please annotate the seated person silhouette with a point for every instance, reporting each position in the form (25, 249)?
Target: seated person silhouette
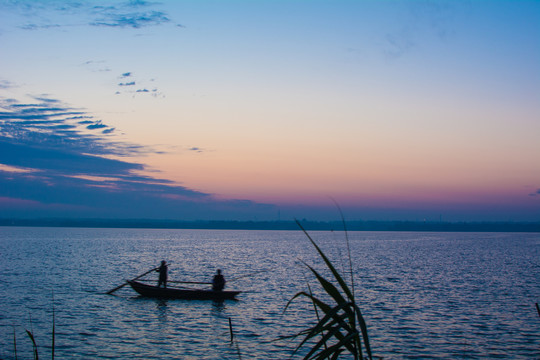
(218, 282)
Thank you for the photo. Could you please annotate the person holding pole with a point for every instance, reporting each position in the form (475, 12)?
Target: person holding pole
(162, 270)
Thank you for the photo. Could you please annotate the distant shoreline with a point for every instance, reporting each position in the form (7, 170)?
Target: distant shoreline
(354, 225)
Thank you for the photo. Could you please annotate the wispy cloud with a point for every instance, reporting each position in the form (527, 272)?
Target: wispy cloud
(196, 149)
(4, 84)
(116, 18)
(97, 125)
(96, 66)
(50, 126)
(537, 193)
(398, 44)
(43, 14)
(39, 27)
(154, 92)
(56, 160)
(433, 18)
(127, 82)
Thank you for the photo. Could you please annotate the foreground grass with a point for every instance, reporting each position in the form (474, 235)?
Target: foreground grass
(340, 324)
(30, 335)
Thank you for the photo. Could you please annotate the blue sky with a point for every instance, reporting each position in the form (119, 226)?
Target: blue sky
(254, 110)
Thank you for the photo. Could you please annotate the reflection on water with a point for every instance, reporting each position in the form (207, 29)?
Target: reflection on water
(161, 306)
(218, 306)
(425, 295)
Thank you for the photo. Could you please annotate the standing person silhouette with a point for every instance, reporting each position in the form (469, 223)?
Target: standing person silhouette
(162, 274)
(218, 282)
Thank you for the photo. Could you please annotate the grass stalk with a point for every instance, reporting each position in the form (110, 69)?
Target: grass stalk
(348, 244)
(14, 343)
(30, 334)
(234, 341)
(53, 334)
(341, 326)
(34, 346)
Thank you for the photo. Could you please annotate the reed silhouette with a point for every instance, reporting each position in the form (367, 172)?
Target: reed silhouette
(340, 324)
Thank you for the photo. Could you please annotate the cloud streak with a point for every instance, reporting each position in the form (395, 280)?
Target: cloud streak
(537, 193)
(136, 20)
(43, 15)
(61, 161)
(125, 86)
(428, 17)
(4, 84)
(48, 123)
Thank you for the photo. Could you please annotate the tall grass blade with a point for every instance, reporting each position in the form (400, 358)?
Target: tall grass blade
(363, 328)
(337, 349)
(338, 277)
(14, 343)
(31, 336)
(323, 340)
(328, 287)
(53, 334)
(347, 242)
(341, 327)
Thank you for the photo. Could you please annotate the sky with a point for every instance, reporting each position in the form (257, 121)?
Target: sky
(270, 110)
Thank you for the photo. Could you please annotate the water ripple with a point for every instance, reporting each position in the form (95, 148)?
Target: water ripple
(424, 295)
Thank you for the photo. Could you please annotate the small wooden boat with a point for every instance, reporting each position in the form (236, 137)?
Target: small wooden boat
(176, 293)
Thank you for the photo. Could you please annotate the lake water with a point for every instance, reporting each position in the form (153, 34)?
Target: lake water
(423, 295)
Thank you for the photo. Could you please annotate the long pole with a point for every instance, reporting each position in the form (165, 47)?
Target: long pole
(124, 284)
(247, 275)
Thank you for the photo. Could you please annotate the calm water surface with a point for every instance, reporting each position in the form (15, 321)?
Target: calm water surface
(423, 295)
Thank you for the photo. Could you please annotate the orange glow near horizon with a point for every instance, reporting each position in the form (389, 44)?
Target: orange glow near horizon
(289, 182)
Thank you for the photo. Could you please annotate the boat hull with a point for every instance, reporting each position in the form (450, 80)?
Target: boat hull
(174, 293)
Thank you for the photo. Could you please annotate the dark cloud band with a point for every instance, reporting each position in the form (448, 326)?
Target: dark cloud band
(60, 161)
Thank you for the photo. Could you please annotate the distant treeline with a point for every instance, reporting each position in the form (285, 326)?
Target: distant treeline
(355, 225)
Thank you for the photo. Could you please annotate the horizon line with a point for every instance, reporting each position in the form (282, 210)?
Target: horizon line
(332, 225)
